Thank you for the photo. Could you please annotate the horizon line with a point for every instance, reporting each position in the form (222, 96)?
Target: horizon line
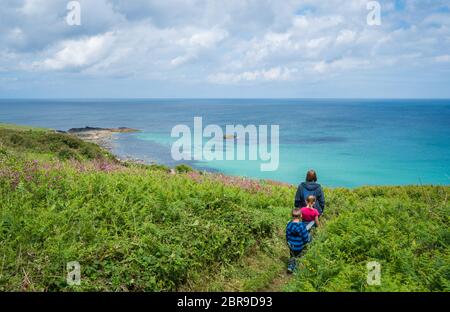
(222, 98)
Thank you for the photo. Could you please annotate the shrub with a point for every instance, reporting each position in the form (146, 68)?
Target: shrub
(404, 233)
(65, 146)
(128, 229)
(139, 228)
(183, 168)
(66, 153)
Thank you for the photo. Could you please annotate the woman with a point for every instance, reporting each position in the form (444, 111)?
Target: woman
(307, 188)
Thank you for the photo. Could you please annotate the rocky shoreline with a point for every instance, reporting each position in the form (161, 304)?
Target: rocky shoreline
(100, 136)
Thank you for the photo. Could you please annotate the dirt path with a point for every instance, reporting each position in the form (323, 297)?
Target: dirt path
(278, 283)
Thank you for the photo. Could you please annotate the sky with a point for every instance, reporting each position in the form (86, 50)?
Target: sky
(225, 49)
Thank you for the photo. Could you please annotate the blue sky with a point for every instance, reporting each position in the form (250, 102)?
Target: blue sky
(216, 49)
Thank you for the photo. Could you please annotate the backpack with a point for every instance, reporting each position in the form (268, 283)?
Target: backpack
(306, 193)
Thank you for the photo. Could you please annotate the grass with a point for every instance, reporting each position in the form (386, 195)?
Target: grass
(144, 228)
(405, 229)
(48, 144)
(21, 128)
(131, 228)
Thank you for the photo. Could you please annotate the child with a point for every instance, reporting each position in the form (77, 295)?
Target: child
(297, 237)
(309, 213)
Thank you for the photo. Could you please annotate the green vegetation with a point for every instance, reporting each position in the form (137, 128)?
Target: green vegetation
(49, 143)
(405, 229)
(183, 168)
(143, 228)
(21, 128)
(130, 227)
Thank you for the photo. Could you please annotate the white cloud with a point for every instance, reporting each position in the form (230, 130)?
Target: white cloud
(32, 8)
(204, 38)
(138, 49)
(442, 58)
(318, 43)
(437, 20)
(346, 36)
(180, 60)
(316, 24)
(271, 74)
(341, 65)
(77, 53)
(228, 42)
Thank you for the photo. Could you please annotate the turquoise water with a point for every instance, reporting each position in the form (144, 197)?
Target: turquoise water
(348, 142)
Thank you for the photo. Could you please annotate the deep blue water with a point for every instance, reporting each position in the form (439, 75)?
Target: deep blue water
(348, 142)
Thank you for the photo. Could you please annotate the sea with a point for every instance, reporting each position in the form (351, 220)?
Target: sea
(349, 142)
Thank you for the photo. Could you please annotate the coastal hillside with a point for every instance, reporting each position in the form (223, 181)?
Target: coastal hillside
(134, 227)
(48, 144)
